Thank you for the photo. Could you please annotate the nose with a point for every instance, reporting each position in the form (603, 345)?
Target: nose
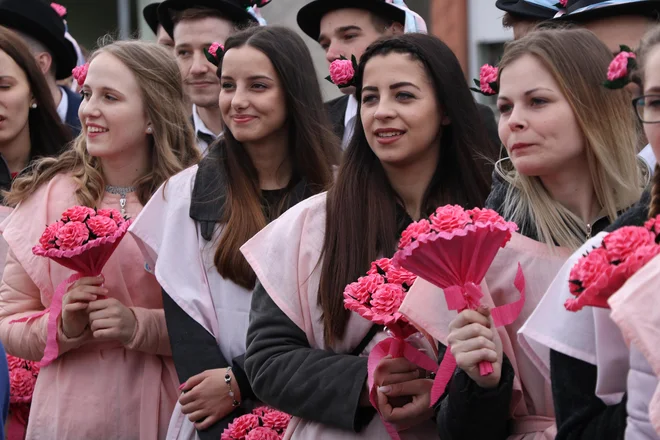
(333, 53)
(200, 65)
(88, 109)
(385, 110)
(517, 120)
(240, 100)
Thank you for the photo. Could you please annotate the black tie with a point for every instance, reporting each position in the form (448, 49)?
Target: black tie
(208, 138)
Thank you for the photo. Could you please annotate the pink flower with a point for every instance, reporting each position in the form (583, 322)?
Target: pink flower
(262, 410)
(48, 238)
(276, 420)
(80, 73)
(563, 3)
(262, 433)
(15, 362)
(21, 385)
(413, 231)
(622, 242)
(102, 226)
(342, 72)
(72, 235)
(384, 265)
(213, 49)
(364, 287)
(653, 225)
(487, 75)
(449, 218)
(640, 257)
(34, 368)
(111, 213)
(387, 299)
(401, 276)
(78, 214)
(61, 10)
(242, 425)
(619, 66)
(587, 270)
(487, 216)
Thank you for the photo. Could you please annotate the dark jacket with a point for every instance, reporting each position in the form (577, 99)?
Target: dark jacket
(72, 119)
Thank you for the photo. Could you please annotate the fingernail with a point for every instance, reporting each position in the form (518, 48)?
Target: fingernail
(182, 386)
(386, 389)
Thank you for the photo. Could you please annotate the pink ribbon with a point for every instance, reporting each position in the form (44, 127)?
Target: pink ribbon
(503, 315)
(397, 348)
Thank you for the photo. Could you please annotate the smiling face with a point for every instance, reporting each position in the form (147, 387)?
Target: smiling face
(112, 112)
(537, 124)
(191, 37)
(15, 100)
(252, 99)
(400, 112)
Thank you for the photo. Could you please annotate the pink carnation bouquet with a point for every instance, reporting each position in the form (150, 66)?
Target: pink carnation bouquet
(604, 270)
(22, 379)
(453, 250)
(264, 423)
(82, 240)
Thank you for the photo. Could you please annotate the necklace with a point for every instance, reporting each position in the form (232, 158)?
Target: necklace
(122, 191)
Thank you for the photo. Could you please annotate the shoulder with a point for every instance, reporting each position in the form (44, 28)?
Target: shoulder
(337, 103)
(180, 185)
(636, 215)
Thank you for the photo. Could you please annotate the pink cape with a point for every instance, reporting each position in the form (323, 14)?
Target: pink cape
(635, 310)
(425, 305)
(289, 270)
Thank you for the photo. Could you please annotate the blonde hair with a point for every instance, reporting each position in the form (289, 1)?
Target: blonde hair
(172, 143)
(578, 61)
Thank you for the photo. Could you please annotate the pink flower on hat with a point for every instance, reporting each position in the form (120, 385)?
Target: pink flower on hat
(342, 72)
(213, 49)
(487, 76)
(61, 10)
(619, 66)
(80, 73)
(563, 3)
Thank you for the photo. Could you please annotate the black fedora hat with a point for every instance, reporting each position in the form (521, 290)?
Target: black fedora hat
(150, 14)
(38, 20)
(309, 16)
(581, 10)
(234, 10)
(529, 9)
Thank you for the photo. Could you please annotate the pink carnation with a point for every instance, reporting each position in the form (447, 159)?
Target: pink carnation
(276, 420)
(364, 288)
(653, 225)
(34, 368)
(242, 425)
(78, 214)
(262, 410)
(449, 218)
(342, 72)
(619, 66)
(21, 385)
(622, 242)
(102, 226)
(49, 237)
(413, 231)
(487, 216)
(563, 3)
(213, 49)
(387, 299)
(383, 263)
(80, 73)
(640, 257)
(111, 213)
(587, 270)
(401, 276)
(15, 363)
(262, 433)
(487, 75)
(72, 235)
(61, 10)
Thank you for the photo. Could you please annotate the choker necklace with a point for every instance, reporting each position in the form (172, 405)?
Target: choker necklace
(122, 191)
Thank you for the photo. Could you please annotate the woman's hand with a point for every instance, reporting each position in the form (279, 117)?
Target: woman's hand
(76, 302)
(109, 319)
(205, 398)
(474, 339)
(417, 410)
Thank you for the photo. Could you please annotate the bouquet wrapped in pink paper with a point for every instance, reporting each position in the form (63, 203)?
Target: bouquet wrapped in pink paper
(22, 378)
(264, 423)
(453, 250)
(82, 240)
(604, 270)
(377, 297)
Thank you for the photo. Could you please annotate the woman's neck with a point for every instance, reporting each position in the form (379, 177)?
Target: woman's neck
(271, 159)
(574, 190)
(212, 118)
(411, 182)
(16, 152)
(125, 170)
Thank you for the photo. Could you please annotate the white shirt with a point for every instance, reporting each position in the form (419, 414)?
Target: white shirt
(200, 127)
(349, 121)
(647, 156)
(63, 106)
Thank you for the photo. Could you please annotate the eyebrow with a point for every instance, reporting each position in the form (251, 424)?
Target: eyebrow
(341, 29)
(251, 78)
(106, 89)
(3, 77)
(528, 92)
(654, 89)
(392, 87)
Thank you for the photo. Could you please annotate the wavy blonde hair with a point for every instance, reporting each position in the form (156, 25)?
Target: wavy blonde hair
(578, 61)
(172, 143)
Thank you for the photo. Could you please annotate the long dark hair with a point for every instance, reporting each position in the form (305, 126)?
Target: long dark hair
(312, 146)
(48, 135)
(361, 220)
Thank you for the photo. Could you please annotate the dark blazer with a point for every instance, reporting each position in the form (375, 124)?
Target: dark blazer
(72, 119)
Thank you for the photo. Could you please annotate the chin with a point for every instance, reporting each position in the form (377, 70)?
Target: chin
(530, 168)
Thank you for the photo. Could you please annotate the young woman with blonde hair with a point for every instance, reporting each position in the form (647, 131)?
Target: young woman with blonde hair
(113, 377)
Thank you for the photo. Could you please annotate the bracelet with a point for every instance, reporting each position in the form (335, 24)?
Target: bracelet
(235, 402)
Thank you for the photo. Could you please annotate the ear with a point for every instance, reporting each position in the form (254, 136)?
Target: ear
(45, 61)
(397, 29)
(149, 130)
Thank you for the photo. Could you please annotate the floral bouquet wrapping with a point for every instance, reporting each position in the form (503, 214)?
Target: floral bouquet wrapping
(453, 250)
(22, 378)
(82, 240)
(264, 423)
(604, 270)
(377, 297)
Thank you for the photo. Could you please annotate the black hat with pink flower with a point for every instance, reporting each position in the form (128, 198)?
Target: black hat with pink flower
(150, 14)
(583, 10)
(529, 10)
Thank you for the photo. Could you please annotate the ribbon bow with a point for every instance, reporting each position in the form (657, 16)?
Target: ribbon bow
(467, 296)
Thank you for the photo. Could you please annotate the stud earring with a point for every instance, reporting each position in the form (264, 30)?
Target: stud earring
(33, 105)
(149, 130)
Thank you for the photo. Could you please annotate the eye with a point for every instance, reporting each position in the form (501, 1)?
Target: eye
(538, 101)
(110, 97)
(504, 108)
(182, 53)
(653, 101)
(227, 85)
(85, 94)
(404, 96)
(366, 99)
(259, 86)
(350, 36)
(5, 86)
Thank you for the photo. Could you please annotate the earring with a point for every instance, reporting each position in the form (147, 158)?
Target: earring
(33, 105)
(149, 130)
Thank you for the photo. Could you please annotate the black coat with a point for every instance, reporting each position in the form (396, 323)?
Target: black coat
(72, 120)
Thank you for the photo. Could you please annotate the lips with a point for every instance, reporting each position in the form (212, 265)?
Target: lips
(519, 146)
(242, 119)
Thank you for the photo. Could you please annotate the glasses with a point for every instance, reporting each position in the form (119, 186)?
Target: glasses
(647, 108)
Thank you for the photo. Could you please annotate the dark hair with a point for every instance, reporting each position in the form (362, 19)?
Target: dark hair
(199, 13)
(361, 222)
(48, 135)
(312, 146)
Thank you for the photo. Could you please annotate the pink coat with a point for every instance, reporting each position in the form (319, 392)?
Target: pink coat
(93, 390)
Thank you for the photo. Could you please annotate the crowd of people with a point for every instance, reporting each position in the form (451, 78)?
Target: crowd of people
(254, 204)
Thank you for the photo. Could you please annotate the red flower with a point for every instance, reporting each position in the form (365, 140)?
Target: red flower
(618, 68)
(262, 433)
(487, 76)
(387, 299)
(102, 226)
(640, 257)
(21, 385)
(263, 410)
(384, 264)
(653, 225)
(48, 238)
(111, 213)
(276, 420)
(78, 214)
(413, 231)
(622, 242)
(242, 425)
(479, 215)
(15, 362)
(61, 10)
(449, 218)
(80, 73)
(213, 49)
(33, 367)
(72, 235)
(587, 270)
(342, 72)
(401, 276)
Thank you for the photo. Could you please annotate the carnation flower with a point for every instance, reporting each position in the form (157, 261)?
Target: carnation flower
(262, 433)
(342, 72)
(387, 299)
(61, 10)
(622, 242)
(364, 287)
(413, 231)
(262, 410)
(449, 218)
(587, 270)
(80, 73)
(276, 420)
(487, 77)
(653, 225)
(383, 264)
(242, 425)
(479, 215)
(102, 226)
(640, 257)
(21, 385)
(401, 276)
(78, 214)
(213, 49)
(111, 213)
(49, 237)
(618, 68)
(15, 362)
(71, 235)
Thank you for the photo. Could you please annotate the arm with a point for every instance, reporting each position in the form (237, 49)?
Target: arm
(580, 413)
(19, 298)
(464, 401)
(150, 332)
(286, 373)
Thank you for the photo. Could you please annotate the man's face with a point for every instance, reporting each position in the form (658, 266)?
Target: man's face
(164, 39)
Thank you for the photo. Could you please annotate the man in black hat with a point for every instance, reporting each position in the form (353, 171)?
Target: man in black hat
(195, 25)
(522, 16)
(150, 14)
(44, 32)
(348, 27)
